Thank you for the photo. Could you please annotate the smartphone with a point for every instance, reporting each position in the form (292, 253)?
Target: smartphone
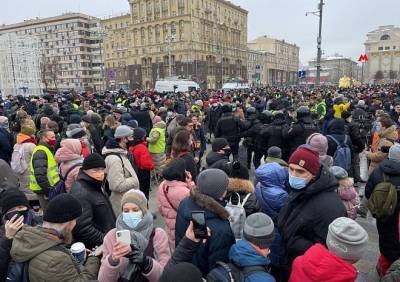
(124, 236)
(199, 225)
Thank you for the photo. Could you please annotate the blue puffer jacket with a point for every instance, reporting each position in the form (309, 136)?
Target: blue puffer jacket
(217, 246)
(244, 255)
(270, 189)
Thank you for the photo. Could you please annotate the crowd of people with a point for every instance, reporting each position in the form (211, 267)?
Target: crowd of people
(276, 176)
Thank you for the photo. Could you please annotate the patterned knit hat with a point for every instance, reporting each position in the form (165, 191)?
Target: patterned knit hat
(135, 197)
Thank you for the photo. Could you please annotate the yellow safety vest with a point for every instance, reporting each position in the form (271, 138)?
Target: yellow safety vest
(52, 169)
(75, 106)
(159, 146)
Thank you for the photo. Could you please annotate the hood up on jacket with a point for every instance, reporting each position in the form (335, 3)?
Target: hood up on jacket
(71, 149)
(31, 241)
(390, 167)
(272, 174)
(336, 126)
(319, 264)
(160, 124)
(238, 185)
(244, 255)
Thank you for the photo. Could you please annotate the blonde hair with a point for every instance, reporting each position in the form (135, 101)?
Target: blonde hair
(110, 122)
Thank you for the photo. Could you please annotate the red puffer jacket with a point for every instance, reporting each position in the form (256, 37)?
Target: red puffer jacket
(319, 264)
(143, 159)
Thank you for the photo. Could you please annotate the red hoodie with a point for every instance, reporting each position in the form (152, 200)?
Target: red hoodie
(319, 264)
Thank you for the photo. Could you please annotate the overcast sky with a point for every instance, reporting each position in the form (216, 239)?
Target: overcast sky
(345, 22)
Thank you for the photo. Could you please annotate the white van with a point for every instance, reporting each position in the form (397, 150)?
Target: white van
(178, 85)
(235, 86)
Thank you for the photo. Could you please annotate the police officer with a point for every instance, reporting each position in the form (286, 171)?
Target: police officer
(254, 126)
(296, 134)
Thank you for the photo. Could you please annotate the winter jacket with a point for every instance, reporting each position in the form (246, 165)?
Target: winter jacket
(336, 129)
(170, 195)
(229, 127)
(40, 163)
(358, 141)
(37, 245)
(243, 254)
(97, 215)
(271, 188)
(183, 253)
(110, 273)
(305, 218)
(338, 109)
(242, 187)
(393, 273)
(28, 144)
(217, 246)
(154, 138)
(386, 139)
(143, 118)
(95, 138)
(121, 176)
(319, 264)
(298, 133)
(349, 196)
(142, 156)
(251, 133)
(213, 158)
(6, 145)
(215, 114)
(388, 230)
(272, 136)
(8, 179)
(68, 156)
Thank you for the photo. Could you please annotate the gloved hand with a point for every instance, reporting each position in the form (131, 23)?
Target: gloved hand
(145, 263)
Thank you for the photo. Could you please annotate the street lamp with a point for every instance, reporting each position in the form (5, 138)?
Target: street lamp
(319, 40)
(169, 39)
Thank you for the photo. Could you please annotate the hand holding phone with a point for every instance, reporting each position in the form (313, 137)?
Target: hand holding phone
(199, 225)
(124, 236)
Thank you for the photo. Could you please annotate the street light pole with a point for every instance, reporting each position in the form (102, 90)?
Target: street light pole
(319, 41)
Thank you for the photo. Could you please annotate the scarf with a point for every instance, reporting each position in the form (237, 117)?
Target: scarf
(140, 236)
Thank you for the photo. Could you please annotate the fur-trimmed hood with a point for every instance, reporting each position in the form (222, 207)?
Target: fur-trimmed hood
(208, 203)
(240, 185)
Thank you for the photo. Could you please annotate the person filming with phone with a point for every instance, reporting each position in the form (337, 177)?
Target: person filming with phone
(206, 208)
(135, 250)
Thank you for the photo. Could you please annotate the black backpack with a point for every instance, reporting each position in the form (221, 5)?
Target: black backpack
(19, 271)
(230, 272)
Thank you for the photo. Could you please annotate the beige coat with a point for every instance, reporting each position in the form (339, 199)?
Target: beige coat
(386, 139)
(120, 180)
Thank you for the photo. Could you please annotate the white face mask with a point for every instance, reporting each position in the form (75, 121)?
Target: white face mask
(132, 219)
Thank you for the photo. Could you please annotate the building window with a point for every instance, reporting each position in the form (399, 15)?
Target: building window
(385, 37)
(380, 48)
(173, 29)
(149, 9)
(394, 47)
(157, 32)
(165, 8)
(387, 48)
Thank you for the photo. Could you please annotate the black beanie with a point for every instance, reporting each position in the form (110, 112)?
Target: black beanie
(175, 170)
(62, 208)
(182, 272)
(218, 144)
(12, 198)
(93, 161)
(239, 171)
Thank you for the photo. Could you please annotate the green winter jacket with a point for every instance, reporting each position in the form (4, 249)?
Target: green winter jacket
(33, 244)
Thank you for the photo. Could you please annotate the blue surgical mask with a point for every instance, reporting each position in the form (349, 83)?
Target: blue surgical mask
(297, 183)
(132, 219)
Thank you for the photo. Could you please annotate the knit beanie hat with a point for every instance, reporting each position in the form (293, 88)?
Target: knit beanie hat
(319, 143)
(182, 272)
(28, 127)
(218, 144)
(394, 152)
(75, 131)
(239, 171)
(347, 239)
(93, 161)
(338, 172)
(139, 133)
(132, 123)
(213, 182)
(307, 158)
(274, 152)
(259, 230)
(87, 118)
(12, 198)
(62, 208)
(136, 197)
(75, 119)
(157, 119)
(123, 131)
